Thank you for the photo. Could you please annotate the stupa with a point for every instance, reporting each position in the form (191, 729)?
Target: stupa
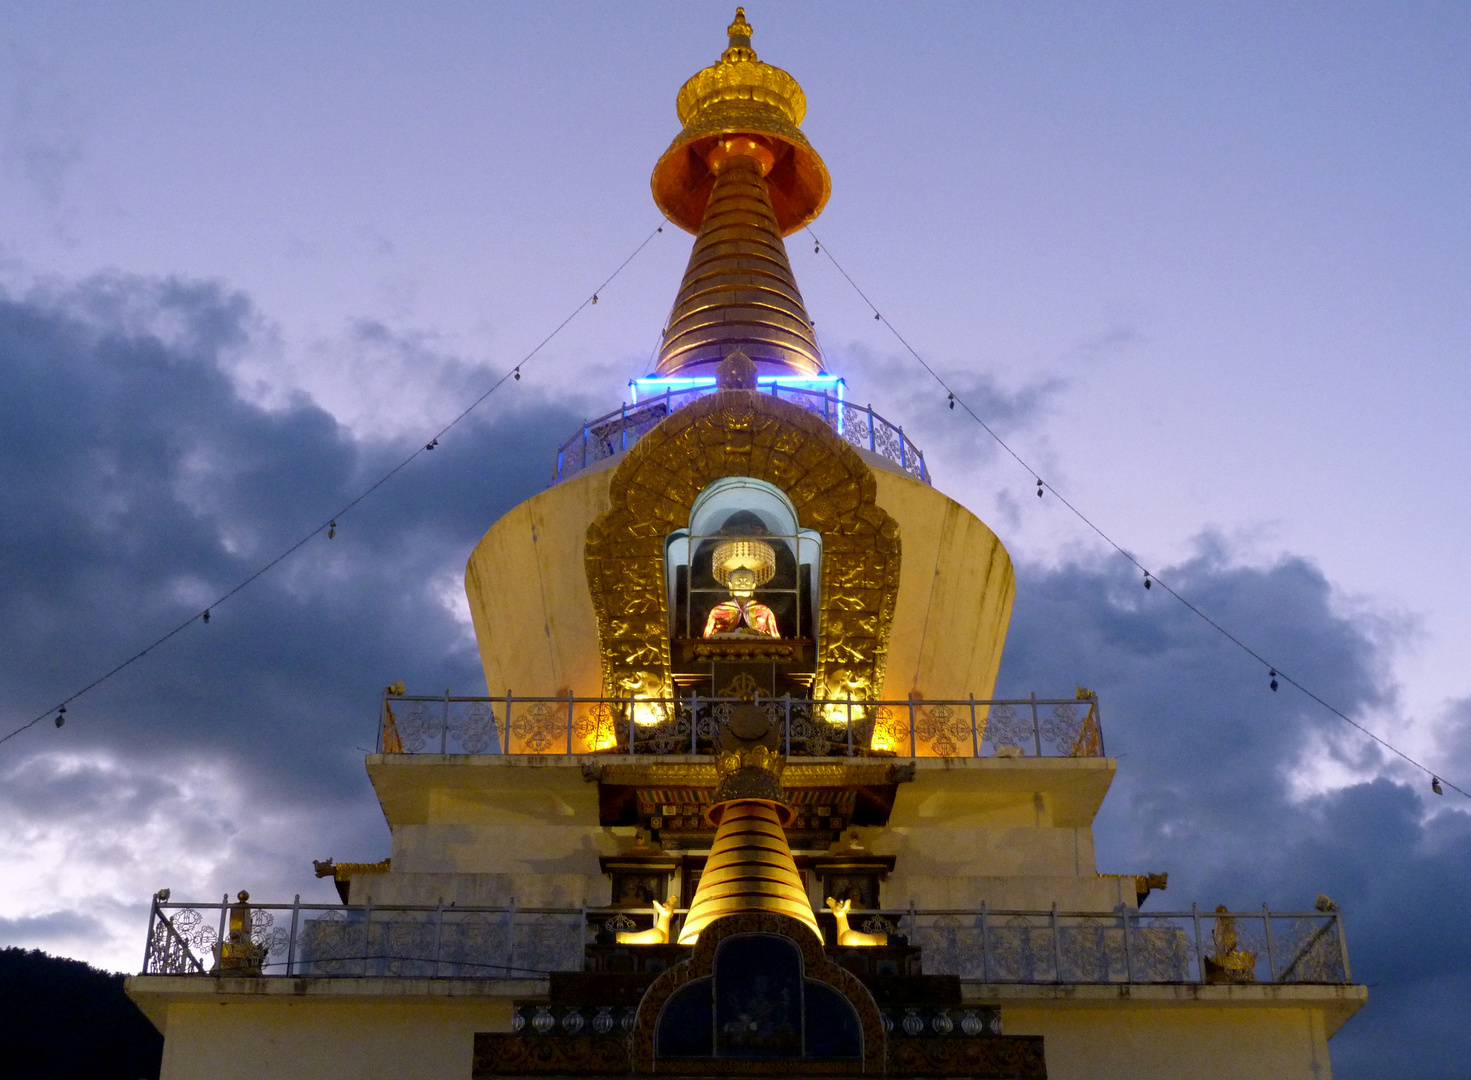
(738, 800)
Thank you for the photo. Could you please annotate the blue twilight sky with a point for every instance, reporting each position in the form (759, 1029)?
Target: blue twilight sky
(1206, 266)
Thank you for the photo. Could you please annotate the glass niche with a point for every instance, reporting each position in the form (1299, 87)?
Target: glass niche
(743, 582)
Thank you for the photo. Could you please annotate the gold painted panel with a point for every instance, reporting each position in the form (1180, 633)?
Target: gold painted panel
(743, 433)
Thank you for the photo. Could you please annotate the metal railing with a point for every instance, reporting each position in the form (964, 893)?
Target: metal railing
(977, 945)
(618, 430)
(1022, 727)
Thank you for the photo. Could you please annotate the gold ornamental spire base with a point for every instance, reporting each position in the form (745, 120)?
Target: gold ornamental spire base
(750, 869)
(750, 866)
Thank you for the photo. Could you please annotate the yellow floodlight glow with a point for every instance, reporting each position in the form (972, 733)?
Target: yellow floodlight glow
(650, 711)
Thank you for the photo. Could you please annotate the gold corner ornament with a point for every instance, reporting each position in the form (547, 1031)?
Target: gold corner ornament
(752, 757)
(739, 96)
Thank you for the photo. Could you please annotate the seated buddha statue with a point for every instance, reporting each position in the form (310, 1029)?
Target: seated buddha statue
(741, 565)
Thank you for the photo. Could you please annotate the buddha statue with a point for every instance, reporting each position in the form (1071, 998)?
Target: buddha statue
(741, 565)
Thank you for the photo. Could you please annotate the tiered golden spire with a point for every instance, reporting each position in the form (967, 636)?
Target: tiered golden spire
(741, 175)
(750, 866)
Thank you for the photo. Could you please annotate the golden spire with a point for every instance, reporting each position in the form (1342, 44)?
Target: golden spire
(741, 175)
(750, 866)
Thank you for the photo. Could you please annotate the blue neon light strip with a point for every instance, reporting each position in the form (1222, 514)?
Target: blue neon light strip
(676, 382)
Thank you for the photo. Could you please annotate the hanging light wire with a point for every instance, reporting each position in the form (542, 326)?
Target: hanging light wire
(329, 523)
(1437, 778)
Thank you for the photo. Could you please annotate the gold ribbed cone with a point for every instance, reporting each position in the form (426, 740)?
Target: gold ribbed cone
(739, 294)
(750, 869)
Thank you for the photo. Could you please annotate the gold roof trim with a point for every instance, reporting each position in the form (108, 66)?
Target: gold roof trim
(798, 774)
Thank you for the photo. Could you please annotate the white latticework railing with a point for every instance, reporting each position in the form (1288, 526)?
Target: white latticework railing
(1023, 727)
(977, 945)
(618, 430)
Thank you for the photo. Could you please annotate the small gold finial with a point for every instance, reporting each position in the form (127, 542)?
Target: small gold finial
(739, 33)
(736, 372)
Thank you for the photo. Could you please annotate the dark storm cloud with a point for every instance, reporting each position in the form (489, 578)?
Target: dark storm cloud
(62, 925)
(1207, 760)
(139, 485)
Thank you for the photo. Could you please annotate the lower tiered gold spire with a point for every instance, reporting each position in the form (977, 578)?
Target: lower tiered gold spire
(750, 866)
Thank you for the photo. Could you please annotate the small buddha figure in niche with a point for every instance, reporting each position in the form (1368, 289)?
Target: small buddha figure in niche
(742, 565)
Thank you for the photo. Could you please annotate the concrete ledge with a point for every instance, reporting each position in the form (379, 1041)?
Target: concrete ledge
(208, 987)
(1337, 1003)
(153, 994)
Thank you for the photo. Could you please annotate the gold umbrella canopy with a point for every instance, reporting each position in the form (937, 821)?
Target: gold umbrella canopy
(741, 97)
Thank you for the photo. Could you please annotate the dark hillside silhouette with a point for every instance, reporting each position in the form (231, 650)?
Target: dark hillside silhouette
(65, 1020)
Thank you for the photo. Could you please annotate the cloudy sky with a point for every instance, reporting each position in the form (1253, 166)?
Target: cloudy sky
(1204, 266)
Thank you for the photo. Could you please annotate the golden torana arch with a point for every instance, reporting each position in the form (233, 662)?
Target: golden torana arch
(743, 433)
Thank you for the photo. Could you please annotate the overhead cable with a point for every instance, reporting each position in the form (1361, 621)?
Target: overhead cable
(1275, 672)
(329, 522)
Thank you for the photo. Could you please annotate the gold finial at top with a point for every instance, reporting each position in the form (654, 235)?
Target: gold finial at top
(739, 33)
(741, 96)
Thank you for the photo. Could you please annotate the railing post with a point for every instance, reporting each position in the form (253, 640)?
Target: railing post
(1098, 723)
(382, 723)
(694, 727)
(559, 463)
(444, 725)
(367, 935)
(1056, 946)
(224, 905)
(508, 721)
(438, 935)
(975, 738)
(291, 941)
(569, 721)
(1267, 929)
(1199, 956)
(511, 938)
(584, 444)
(1342, 945)
(1036, 727)
(870, 427)
(787, 724)
(985, 947)
(1128, 946)
(912, 752)
(623, 427)
(153, 914)
(903, 460)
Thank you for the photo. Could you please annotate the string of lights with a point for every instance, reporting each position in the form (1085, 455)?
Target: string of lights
(329, 526)
(1274, 672)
